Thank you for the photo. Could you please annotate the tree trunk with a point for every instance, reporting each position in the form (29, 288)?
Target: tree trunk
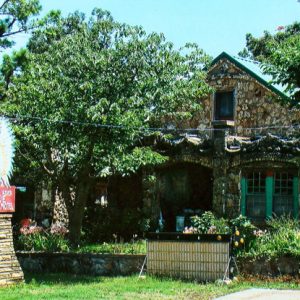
(75, 198)
(76, 213)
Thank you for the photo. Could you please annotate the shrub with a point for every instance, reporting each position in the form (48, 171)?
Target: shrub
(281, 239)
(207, 223)
(35, 238)
(244, 233)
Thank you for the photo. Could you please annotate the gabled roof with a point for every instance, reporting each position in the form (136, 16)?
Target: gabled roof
(241, 66)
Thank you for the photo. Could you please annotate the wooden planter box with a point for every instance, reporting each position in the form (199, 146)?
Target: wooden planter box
(202, 257)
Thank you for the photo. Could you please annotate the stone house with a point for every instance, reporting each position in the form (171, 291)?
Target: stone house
(243, 157)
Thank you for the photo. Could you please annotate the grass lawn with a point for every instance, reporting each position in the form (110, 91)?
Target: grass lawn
(65, 286)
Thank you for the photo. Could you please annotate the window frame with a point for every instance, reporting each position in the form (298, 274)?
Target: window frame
(233, 105)
(269, 192)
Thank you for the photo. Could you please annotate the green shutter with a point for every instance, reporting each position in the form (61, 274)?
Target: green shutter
(269, 196)
(244, 191)
(296, 197)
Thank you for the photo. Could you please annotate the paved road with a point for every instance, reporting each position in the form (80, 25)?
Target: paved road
(263, 294)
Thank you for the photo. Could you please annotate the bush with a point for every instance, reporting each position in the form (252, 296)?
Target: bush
(281, 239)
(244, 234)
(35, 238)
(207, 223)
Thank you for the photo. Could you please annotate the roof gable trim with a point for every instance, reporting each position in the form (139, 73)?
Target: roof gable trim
(269, 86)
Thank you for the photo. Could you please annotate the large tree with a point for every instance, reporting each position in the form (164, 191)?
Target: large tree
(279, 55)
(87, 97)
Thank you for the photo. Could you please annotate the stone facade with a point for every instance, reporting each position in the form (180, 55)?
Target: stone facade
(10, 271)
(261, 135)
(256, 105)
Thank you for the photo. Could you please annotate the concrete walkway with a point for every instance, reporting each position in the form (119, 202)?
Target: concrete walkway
(263, 294)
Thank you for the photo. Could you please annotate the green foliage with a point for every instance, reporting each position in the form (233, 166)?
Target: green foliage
(204, 222)
(208, 223)
(244, 234)
(278, 223)
(257, 48)
(16, 17)
(284, 65)
(135, 247)
(244, 226)
(97, 72)
(281, 239)
(42, 241)
(280, 57)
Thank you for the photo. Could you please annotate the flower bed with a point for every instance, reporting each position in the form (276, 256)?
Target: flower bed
(280, 238)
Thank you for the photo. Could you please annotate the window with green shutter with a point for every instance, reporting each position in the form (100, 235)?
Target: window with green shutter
(269, 193)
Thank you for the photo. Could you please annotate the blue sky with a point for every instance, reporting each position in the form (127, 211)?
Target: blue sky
(215, 25)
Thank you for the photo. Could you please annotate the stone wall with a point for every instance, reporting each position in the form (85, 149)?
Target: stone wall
(255, 104)
(88, 264)
(10, 271)
(270, 267)
(116, 265)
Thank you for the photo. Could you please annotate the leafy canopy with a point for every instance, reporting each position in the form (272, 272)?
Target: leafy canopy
(280, 57)
(101, 72)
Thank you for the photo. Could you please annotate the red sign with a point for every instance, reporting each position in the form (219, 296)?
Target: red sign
(7, 199)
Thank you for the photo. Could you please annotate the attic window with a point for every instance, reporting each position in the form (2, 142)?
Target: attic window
(224, 105)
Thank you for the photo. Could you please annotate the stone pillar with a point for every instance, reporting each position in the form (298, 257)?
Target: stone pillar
(10, 270)
(226, 186)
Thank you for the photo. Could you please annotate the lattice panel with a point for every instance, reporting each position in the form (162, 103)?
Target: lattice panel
(203, 261)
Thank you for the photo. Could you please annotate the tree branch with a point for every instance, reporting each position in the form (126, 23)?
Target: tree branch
(12, 33)
(47, 170)
(3, 4)
(11, 24)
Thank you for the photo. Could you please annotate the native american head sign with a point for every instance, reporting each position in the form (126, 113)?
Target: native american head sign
(7, 193)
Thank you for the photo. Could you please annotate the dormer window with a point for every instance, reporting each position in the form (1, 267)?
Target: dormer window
(224, 105)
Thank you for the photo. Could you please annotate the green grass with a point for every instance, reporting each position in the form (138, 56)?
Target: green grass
(65, 286)
(138, 247)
